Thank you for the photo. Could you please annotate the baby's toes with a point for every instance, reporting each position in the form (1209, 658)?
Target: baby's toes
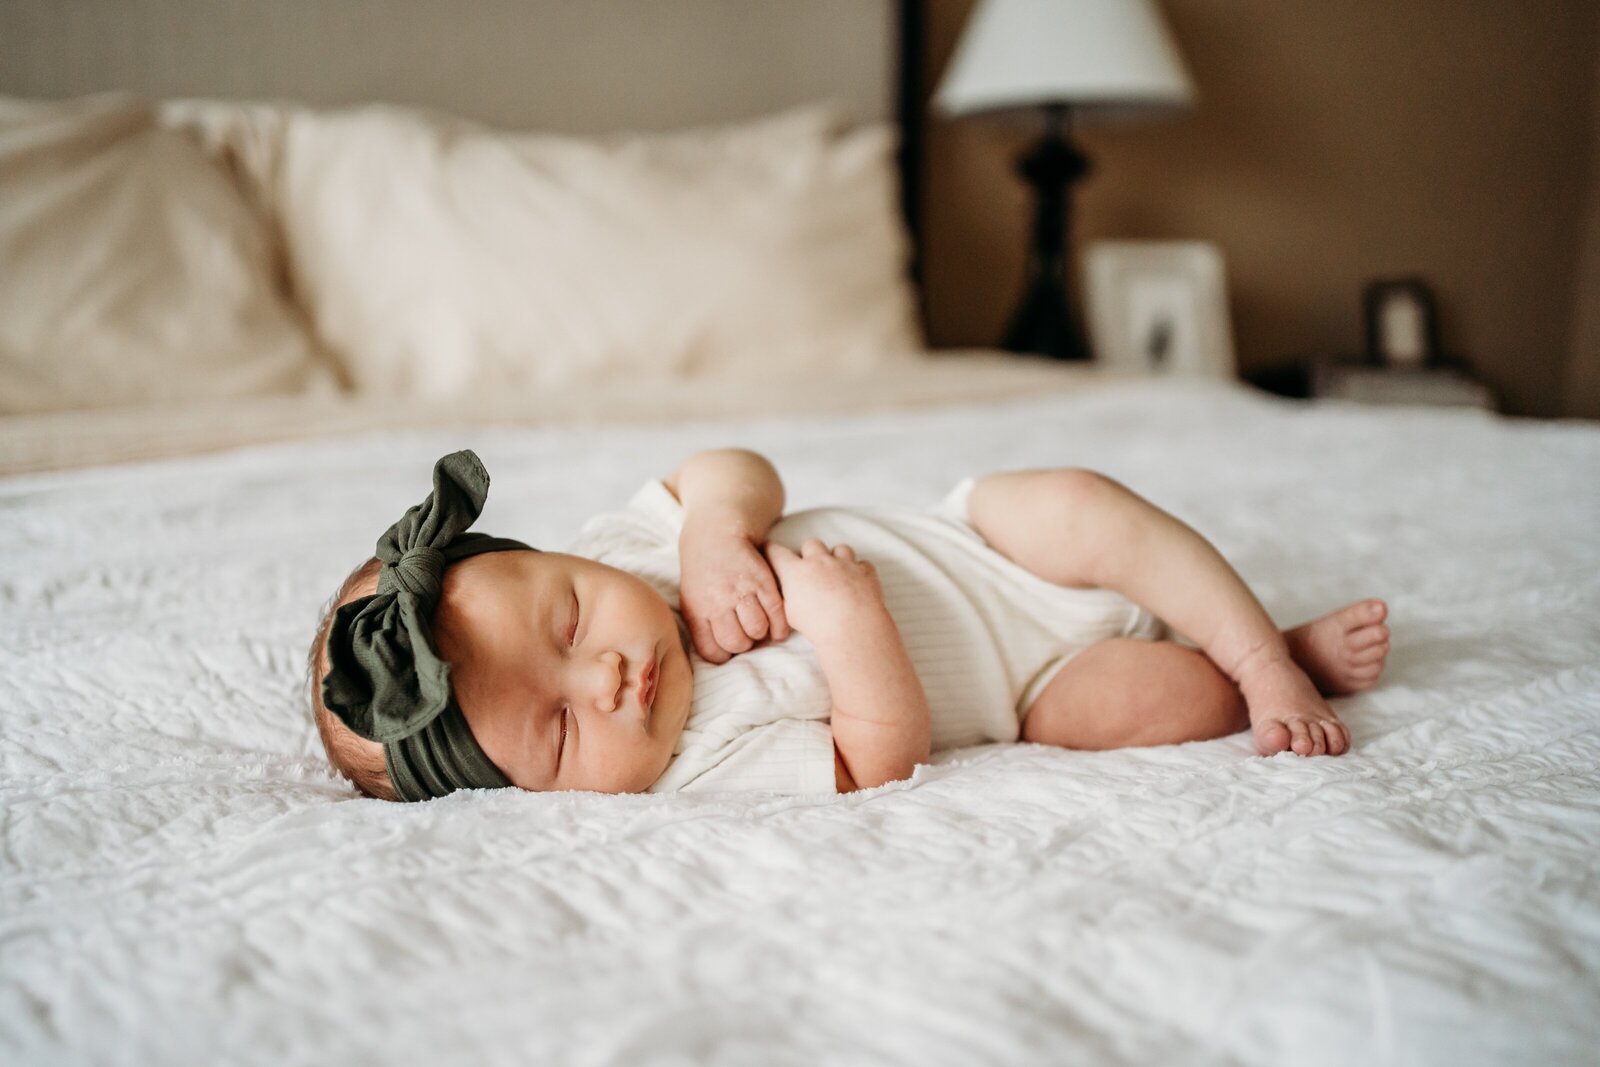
(1300, 741)
(1371, 654)
(1364, 678)
(1272, 737)
(1366, 637)
(1365, 667)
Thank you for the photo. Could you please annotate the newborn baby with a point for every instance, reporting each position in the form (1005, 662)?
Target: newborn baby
(701, 640)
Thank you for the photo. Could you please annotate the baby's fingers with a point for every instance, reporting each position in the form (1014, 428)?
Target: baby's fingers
(783, 560)
(778, 556)
(776, 619)
(752, 617)
(705, 641)
(770, 598)
(730, 633)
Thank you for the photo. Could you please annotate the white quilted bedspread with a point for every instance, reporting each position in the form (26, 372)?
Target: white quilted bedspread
(183, 879)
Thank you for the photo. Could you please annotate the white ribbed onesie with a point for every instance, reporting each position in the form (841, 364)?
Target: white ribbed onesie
(984, 634)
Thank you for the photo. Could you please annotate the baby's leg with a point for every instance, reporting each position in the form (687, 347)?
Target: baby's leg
(1126, 692)
(1078, 528)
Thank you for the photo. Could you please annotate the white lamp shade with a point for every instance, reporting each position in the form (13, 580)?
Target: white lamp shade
(1107, 58)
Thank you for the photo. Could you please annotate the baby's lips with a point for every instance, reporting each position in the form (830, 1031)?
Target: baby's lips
(647, 685)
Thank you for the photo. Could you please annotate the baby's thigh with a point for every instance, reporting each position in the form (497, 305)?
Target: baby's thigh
(1127, 692)
(1041, 519)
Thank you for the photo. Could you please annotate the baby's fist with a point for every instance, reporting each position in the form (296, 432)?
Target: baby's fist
(728, 593)
(823, 588)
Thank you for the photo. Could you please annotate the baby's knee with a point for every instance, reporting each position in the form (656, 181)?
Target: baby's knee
(1072, 492)
(1056, 492)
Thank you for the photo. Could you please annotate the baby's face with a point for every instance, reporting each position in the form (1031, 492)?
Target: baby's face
(572, 674)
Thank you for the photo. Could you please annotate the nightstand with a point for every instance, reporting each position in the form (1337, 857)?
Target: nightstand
(1367, 384)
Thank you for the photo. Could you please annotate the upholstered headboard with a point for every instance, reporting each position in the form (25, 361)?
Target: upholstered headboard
(578, 67)
(575, 66)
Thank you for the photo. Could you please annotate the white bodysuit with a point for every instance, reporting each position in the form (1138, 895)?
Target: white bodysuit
(984, 634)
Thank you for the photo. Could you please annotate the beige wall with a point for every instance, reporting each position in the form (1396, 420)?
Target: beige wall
(1333, 142)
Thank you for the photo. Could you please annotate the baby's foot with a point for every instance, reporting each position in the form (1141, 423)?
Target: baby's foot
(1286, 711)
(1343, 652)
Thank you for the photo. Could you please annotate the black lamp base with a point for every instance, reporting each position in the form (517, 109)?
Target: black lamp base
(1044, 322)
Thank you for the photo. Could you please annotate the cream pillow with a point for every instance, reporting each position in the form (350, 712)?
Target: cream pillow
(439, 258)
(131, 271)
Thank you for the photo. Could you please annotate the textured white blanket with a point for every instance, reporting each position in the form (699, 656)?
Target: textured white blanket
(183, 880)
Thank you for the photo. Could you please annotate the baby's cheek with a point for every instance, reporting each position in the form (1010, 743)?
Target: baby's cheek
(636, 773)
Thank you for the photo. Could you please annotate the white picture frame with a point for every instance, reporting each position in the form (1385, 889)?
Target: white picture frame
(1159, 307)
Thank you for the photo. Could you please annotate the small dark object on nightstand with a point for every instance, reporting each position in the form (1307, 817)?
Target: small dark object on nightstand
(1291, 380)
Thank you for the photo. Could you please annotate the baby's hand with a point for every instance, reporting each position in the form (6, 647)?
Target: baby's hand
(729, 595)
(823, 590)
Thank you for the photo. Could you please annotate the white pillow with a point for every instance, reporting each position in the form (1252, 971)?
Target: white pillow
(131, 271)
(438, 258)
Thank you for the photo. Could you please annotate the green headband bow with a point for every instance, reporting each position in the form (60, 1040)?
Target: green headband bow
(384, 680)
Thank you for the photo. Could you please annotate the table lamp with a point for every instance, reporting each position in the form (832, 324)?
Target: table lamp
(1086, 60)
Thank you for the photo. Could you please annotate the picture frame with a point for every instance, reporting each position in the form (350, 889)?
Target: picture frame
(1160, 307)
(1401, 324)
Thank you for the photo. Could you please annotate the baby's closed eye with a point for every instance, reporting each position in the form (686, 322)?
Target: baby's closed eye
(572, 626)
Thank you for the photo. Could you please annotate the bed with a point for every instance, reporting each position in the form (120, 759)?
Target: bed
(184, 879)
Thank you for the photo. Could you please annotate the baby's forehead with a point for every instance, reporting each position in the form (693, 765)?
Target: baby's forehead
(487, 602)
(520, 585)
(518, 574)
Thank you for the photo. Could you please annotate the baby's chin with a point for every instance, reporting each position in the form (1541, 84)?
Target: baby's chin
(687, 645)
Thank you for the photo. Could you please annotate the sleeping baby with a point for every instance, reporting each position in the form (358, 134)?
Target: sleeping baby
(699, 639)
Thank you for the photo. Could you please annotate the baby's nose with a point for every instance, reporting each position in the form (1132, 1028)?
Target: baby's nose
(605, 681)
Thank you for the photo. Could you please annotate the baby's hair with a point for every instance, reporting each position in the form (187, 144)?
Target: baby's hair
(351, 755)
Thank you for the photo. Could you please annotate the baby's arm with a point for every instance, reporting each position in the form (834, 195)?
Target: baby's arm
(881, 723)
(730, 599)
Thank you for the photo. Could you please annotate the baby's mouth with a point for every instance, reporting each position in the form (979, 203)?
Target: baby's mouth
(647, 684)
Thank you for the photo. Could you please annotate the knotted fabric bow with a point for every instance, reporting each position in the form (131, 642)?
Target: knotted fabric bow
(385, 680)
